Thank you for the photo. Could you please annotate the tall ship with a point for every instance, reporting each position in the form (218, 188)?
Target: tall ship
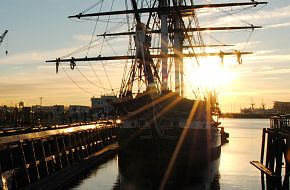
(153, 105)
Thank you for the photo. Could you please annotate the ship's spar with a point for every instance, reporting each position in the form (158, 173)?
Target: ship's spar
(179, 31)
(157, 117)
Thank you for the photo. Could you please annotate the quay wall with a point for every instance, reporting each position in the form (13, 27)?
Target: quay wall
(28, 158)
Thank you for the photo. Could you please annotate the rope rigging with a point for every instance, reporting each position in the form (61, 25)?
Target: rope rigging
(2, 37)
(89, 46)
(88, 92)
(102, 48)
(192, 37)
(92, 37)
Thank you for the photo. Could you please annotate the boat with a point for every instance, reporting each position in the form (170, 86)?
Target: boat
(155, 114)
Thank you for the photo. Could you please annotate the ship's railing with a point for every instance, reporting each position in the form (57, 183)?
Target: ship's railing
(278, 122)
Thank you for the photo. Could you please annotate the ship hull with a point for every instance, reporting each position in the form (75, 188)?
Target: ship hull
(199, 146)
(152, 165)
(170, 126)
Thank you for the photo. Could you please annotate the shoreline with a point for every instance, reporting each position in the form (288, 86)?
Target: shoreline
(248, 116)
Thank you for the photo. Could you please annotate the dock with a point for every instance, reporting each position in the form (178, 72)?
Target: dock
(275, 152)
(29, 159)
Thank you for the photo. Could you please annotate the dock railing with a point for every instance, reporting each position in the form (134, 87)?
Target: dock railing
(280, 122)
(28, 157)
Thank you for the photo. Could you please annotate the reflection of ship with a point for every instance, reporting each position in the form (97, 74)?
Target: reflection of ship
(141, 170)
(154, 111)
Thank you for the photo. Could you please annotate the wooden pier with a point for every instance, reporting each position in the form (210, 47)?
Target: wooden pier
(275, 153)
(29, 157)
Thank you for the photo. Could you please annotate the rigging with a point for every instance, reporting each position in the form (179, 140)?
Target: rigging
(145, 68)
(2, 38)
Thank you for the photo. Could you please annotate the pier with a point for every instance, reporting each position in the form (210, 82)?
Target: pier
(275, 153)
(29, 157)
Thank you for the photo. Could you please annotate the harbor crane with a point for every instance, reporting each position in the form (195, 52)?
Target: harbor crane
(2, 38)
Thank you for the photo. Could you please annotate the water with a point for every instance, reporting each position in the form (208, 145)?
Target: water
(235, 171)
(244, 145)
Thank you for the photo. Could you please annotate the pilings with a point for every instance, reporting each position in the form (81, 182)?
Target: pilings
(275, 153)
(28, 158)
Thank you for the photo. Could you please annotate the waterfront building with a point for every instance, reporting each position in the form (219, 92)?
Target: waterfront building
(282, 107)
(78, 113)
(102, 107)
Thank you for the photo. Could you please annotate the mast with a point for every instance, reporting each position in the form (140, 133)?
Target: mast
(172, 31)
(142, 43)
(177, 49)
(183, 9)
(164, 44)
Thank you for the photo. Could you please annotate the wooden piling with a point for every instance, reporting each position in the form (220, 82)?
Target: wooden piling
(34, 159)
(276, 147)
(24, 161)
(263, 146)
(1, 178)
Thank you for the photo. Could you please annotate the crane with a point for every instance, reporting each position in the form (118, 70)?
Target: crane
(2, 38)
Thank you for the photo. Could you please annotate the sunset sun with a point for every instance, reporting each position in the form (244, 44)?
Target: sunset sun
(209, 74)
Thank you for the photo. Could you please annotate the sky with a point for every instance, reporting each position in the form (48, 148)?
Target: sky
(39, 30)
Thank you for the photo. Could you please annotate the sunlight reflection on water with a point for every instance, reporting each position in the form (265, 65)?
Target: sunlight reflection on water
(235, 171)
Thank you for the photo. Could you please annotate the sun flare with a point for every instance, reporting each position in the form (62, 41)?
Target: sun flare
(209, 74)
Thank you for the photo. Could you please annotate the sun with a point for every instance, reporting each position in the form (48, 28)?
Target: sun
(209, 74)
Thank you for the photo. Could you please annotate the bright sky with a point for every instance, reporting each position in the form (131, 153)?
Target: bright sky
(40, 30)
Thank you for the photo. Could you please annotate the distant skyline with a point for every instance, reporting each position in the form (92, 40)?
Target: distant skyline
(40, 30)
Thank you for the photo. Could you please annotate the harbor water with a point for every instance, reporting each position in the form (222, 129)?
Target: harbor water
(235, 170)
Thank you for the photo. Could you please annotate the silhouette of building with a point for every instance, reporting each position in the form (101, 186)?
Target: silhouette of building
(102, 107)
(282, 107)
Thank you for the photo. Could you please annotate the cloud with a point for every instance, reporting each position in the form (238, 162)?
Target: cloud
(263, 16)
(274, 58)
(256, 92)
(285, 24)
(82, 38)
(33, 57)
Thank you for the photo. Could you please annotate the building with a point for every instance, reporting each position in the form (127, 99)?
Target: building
(281, 107)
(102, 107)
(78, 113)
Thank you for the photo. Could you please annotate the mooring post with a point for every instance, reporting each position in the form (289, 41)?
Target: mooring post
(94, 140)
(1, 178)
(81, 145)
(100, 139)
(34, 158)
(287, 153)
(272, 151)
(77, 149)
(64, 149)
(51, 162)
(71, 148)
(262, 157)
(89, 141)
(14, 181)
(57, 152)
(279, 153)
(263, 146)
(85, 143)
(24, 161)
(44, 157)
(107, 135)
(269, 154)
